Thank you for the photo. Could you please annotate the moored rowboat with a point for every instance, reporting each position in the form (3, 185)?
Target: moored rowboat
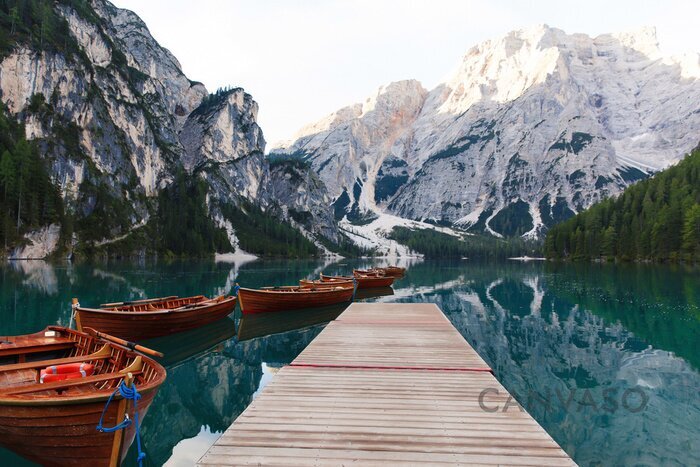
(292, 298)
(153, 318)
(55, 423)
(364, 281)
(391, 271)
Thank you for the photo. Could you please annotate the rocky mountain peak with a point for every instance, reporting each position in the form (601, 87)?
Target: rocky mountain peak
(500, 70)
(528, 129)
(396, 99)
(642, 39)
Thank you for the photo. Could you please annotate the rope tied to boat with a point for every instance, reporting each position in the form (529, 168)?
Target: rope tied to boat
(74, 310)
(236, 288)
(132, 394)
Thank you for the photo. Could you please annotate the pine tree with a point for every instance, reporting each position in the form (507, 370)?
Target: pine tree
(609, 246)
(691, 233)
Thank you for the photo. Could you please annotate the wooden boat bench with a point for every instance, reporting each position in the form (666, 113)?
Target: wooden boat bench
(135, 369)
(103, 354)
(24, 345)
(60, 385)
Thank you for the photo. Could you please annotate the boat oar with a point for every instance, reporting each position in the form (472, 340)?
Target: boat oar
(125, 343)
(137, 302)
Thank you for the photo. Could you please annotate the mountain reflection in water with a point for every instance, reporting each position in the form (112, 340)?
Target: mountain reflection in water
(559, 337)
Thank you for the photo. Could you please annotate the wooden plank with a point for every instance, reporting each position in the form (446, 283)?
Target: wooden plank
(385, 384)
(222, 455)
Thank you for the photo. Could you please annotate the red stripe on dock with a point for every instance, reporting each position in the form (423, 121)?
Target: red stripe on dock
(368, 367)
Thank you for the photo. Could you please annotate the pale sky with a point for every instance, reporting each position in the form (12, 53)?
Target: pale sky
(302, 60)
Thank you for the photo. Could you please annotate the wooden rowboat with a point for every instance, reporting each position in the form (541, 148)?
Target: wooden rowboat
(145, 319)
(364, 281)
(390, 271)
(56, 423)
(292, 298)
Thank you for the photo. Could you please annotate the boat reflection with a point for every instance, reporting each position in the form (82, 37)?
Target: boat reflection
(264, 324)
(375, 292)
(205, 392)
(181, 347)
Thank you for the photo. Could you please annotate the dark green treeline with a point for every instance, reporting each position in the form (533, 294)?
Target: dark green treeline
(28, 198)
(656, 219)
(435, 244)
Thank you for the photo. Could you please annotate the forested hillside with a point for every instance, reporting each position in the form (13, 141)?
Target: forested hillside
(28, 199)
(433, 244)
(657, 219)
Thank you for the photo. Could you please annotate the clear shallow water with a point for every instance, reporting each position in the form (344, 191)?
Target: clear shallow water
(606, 358)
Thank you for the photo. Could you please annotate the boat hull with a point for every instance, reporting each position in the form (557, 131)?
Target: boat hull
(56, 435)
(372, 282)
(137, 325)
(264, 301)
(56, 423)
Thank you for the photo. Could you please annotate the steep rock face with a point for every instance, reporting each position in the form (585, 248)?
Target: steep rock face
(178, 96)
(529, 128)
(303, 199)
(223, 141)
(109, 120)
(41, 243)
(115, 117)
(358, 145)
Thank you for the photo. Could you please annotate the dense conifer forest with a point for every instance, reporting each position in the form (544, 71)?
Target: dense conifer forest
(657, 219)
(28, 198)
(184, 227)
(262, 234)
(434, 244)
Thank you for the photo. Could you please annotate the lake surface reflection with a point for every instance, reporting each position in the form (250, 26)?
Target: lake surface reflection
(605, 357)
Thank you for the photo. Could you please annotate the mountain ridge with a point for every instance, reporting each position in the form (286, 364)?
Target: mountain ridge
(527, 130)
(538, 122)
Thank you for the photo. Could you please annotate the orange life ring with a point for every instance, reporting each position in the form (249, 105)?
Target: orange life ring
(66, 371)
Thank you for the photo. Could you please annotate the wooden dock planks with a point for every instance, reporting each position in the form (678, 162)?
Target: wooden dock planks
(385, 384)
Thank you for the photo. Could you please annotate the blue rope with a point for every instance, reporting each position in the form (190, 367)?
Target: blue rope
(129, 393)
(236, 288)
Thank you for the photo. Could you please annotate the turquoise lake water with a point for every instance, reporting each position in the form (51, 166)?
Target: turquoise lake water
(605, 357)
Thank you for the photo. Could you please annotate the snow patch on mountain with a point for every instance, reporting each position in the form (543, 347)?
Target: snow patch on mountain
(375, 235)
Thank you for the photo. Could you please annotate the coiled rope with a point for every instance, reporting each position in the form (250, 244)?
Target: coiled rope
(132, 394)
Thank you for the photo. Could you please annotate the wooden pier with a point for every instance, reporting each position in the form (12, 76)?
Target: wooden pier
(385, 384)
